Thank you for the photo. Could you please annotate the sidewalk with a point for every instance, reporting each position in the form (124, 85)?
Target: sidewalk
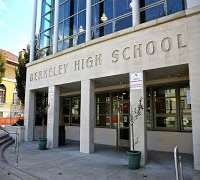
(68, 163)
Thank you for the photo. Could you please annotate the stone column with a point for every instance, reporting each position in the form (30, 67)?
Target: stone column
(87, 116)
(195, 104)
(32, 47)
(139, 128)
(135, 5)
(55, 29)
(192, 3)
(88, 20)
(29, 114)
(53, 116)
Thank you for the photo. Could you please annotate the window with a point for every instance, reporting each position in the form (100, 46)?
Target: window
(15, 97)
(2, 94)
(110, 107)
(153, 9)
(71, 110)
(109, 16)
(169, 109)
(185, 109)
(72, 23)
(46, 28)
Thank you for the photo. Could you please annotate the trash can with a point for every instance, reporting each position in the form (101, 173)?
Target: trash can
(134, 158)
(42, 143)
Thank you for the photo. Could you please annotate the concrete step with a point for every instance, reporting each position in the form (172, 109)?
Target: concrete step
(3, 135)
(4, 146)
(4, 140)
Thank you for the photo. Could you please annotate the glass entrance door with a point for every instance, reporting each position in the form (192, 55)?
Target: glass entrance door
(120, 114)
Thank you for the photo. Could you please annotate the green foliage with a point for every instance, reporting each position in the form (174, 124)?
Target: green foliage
(2, 66)
(21, 74)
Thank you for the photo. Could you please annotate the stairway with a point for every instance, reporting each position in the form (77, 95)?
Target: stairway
(5, 141)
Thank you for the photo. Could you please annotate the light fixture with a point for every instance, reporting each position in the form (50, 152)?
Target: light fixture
(81, 29)
(104, 17)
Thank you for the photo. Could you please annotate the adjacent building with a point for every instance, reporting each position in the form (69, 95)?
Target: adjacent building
(10, 107)
(97, 59)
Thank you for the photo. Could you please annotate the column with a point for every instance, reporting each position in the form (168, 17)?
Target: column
(135, 5)
(139, 127)
(29, 114)
(55, 30)
(88, 20)
(87, 116)
(32, 47)
(53, 116)
(195, 105)
(192, 3)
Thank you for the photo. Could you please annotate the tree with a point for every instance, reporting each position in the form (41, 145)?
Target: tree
(2, 66)
(21, 73)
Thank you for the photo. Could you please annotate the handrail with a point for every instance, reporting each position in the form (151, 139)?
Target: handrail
(3, 129)
(178, 164)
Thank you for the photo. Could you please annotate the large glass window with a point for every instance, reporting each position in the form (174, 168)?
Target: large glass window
(153, 9)
(71, 110)
(185, 108)
(72, 23)
(46, 28)
(169, 109)
(110, 16)
(111, 108)
(165, 108)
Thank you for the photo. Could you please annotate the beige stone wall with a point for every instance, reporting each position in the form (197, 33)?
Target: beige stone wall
(168, 41)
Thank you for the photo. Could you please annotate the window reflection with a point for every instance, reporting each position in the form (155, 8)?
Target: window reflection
(117, 13)
(73, 20)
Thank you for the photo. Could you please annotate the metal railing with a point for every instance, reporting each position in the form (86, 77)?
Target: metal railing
(16, 133)
(178, 164)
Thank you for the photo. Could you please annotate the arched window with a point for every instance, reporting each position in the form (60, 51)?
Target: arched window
(2, 94)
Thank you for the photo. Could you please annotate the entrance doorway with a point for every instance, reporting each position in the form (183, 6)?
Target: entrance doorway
(112, 111)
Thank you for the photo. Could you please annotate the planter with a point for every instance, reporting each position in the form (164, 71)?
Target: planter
(42, 143)
(134, 158)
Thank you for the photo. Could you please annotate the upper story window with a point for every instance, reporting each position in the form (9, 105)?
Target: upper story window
(153, 9)
(110, 16)
(2, 94)
(72, 23)
(46, 28)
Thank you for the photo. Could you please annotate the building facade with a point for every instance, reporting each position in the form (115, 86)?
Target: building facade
(98, 58)
(10, 107)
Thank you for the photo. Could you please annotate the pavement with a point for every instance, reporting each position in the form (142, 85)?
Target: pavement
(67, 163)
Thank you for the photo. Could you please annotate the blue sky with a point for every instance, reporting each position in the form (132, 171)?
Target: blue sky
(15, 24)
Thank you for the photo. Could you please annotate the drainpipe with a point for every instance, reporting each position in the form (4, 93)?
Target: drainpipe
(88, 20)
(135, 5)
(32, 47)
(55, 30)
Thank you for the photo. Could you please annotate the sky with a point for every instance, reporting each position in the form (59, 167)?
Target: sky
(15, 24)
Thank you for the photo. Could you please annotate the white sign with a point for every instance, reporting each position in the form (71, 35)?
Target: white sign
(188, 97)
(136, 81)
